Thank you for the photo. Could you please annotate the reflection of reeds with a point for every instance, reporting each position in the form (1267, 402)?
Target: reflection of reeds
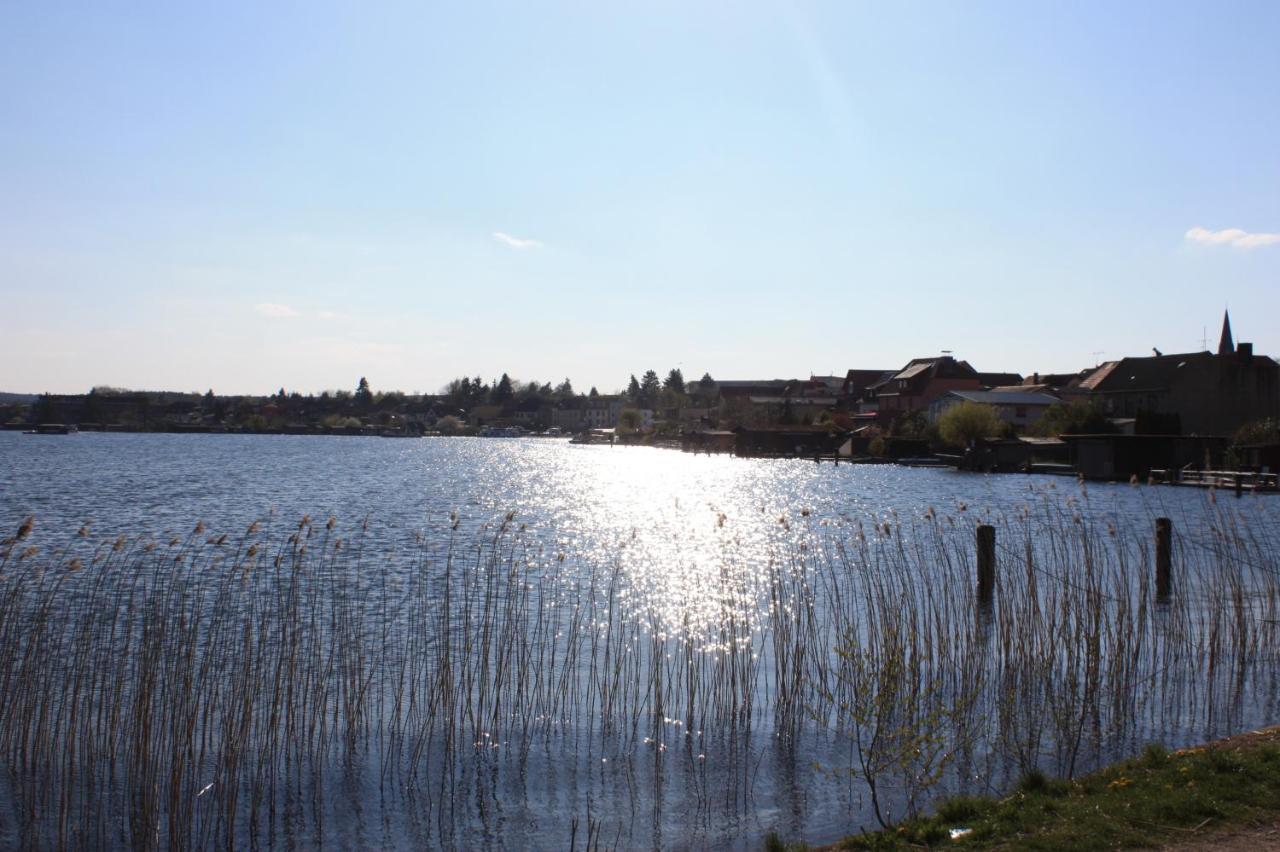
(214, 693)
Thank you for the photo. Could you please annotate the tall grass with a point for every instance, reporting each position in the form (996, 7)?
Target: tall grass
(210, 691)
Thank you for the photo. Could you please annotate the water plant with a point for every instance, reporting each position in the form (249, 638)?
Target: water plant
(214, 690)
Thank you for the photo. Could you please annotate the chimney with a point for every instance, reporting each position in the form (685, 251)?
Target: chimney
(1244, 352)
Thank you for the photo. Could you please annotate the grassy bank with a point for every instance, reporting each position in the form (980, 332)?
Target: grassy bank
(1161, 798)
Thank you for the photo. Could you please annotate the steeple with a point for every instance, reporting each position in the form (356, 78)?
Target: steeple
(1226, 346)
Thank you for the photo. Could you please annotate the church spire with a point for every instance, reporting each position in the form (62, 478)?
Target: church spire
(1226, 346)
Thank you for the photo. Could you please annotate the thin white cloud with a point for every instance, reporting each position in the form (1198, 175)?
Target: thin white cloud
(272, 309)
(516, 242)
(1233, 237)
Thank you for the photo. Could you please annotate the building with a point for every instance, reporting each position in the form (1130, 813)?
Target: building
(788, 441)
(1196, 393)
(1021, 408)
(922, 380)
(856, 382)
(580, 413)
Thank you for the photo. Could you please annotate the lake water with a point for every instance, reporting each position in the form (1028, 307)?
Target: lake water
(687, 607)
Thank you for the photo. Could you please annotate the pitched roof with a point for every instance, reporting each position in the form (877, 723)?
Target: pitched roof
(1005, 397)
(993, 379)
(1140, 373)
(914, 370)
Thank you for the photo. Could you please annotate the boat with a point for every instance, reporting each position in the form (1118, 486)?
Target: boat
(502, 432)
(52, 429)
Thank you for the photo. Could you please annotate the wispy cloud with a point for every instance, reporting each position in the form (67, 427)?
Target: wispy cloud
(1233, 237)
(272, 309)
(516, 242)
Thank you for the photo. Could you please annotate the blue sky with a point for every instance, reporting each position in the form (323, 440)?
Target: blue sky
(243, 198)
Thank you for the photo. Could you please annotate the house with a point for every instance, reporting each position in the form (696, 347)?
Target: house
(791, 409)
(1195, 393)
(803, 441)
(739, 389)
(1021, 408)
(923, 380)
(1124, 456)
(532, 413)
(708, 441)
(601, 412)
(854, 387)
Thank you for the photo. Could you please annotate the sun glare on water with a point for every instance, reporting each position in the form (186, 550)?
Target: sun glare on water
(688, 540)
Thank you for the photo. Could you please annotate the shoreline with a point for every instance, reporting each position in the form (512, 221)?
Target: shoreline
(1222, 794)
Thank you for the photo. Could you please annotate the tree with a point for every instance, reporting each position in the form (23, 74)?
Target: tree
(909, 424)
(965, 423)
(42, 411)
(671, 400)
(479, 391)
(674, 380)
(629, 420)
(1072, 418)
(707, 382)
(649, 387)
(363, 396)
(594, 392)
(503, 391)
(633, 390)
(564, 390)
(1264, 431)
(460, 392)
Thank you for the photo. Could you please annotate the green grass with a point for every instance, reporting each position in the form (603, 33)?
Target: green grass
(1159, 797)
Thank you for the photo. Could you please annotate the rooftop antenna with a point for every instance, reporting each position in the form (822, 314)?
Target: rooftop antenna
(1095, 354)
(947, 351)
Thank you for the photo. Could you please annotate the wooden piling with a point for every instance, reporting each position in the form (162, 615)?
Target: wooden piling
(1164, 557)
(986, 562)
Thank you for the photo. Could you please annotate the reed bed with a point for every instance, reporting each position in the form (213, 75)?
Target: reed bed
(285, 685)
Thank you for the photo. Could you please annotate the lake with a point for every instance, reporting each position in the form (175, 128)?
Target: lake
(521, 642)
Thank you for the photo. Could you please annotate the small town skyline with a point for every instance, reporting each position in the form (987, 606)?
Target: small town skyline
(1206, 341)
(1228, 391)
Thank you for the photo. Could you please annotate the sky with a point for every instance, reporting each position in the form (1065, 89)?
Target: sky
(248, 196)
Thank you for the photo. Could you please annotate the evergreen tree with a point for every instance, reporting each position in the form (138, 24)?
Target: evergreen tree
(364, 396)
(479, 391)
(707, 382)
(674, 380)
(649, 387)
(633, 390)
(564, 390)
(594, 392)
(502, 391)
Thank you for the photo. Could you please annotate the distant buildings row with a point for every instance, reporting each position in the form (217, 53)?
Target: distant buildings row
(1200, 393)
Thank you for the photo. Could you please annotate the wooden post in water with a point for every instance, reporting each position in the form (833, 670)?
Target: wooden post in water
(1239, 485)
(1164, 557)
(986, 562)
